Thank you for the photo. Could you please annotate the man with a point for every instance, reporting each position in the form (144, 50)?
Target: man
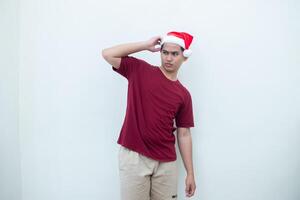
(156, 101)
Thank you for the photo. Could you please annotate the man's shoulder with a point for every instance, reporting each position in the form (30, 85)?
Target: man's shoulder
(134, 59)
(139, 61)
(184, 90)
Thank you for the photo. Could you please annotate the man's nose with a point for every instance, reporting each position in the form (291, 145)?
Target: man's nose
(169, 57)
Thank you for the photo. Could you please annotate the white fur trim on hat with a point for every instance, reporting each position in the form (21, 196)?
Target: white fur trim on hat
(173, 39)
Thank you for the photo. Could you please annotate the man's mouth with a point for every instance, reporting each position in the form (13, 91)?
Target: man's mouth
(168, 65)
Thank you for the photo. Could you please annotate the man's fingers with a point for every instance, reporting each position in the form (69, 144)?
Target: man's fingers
(192, 191)
(188, 190)
(156, 39)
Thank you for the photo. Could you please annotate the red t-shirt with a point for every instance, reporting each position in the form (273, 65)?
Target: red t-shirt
(154, 105)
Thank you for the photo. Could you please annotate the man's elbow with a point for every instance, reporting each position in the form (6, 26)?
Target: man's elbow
(106, 56)
(114, 61)
(104, 53)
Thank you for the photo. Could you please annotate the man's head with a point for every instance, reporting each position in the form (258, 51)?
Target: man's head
(171, 57)
(175, 50)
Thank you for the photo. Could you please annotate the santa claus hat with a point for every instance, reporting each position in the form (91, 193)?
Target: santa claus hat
(182, 39)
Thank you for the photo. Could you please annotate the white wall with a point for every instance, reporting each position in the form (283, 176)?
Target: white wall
(244, 78)
(10, 168)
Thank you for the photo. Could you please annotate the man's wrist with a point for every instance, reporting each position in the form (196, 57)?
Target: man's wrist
(145, 45)
(190, 173)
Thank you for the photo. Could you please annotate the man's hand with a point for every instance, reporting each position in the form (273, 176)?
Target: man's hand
(152, 42)
(190, 185)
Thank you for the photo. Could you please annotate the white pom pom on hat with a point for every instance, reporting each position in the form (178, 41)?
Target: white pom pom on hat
(187, 53)
(183, 39)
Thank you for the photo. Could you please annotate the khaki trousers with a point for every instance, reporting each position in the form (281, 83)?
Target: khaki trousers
(142, 178)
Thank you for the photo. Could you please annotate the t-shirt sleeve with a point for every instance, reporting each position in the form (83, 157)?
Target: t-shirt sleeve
(128, 66)
(184, 117)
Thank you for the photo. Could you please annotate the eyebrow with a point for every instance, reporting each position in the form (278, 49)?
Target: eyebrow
(171, 51)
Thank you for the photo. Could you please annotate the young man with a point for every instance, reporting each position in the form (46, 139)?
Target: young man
(156, 101)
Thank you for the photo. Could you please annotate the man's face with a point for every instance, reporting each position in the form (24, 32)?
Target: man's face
(171, 57)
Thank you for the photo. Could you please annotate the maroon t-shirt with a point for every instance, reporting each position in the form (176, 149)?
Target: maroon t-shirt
(154, 105)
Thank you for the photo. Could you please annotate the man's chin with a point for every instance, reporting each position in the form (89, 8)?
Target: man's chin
(169, 67)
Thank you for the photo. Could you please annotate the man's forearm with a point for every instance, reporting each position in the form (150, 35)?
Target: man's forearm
(122, 50)
(114, 54)
(185, 148)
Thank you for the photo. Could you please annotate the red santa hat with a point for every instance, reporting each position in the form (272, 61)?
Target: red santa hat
(182, 39)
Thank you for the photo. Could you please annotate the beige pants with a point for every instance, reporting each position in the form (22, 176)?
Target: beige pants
(142, 178)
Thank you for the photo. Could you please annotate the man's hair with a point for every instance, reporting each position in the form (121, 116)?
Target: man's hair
(182, 49)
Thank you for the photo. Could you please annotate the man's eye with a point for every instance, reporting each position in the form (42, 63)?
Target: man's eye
(164, 52)
(175, 54)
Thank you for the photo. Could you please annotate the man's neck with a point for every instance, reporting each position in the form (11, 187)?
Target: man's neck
(171, 76)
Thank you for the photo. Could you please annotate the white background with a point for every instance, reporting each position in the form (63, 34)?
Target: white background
(62, 107)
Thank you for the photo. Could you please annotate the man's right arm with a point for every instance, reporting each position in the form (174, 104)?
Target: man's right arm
(114, 54)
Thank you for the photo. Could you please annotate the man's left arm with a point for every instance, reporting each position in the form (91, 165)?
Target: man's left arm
(184, 139)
